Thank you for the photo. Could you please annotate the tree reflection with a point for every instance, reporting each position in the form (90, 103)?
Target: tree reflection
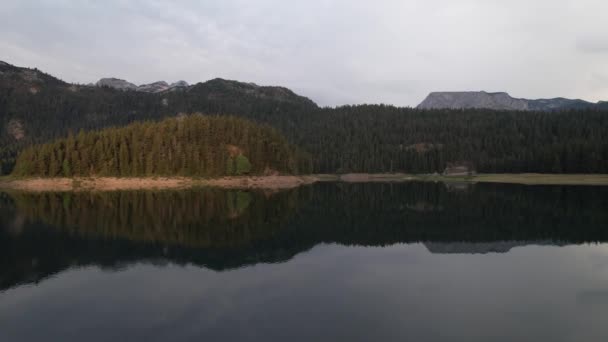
(41, 234)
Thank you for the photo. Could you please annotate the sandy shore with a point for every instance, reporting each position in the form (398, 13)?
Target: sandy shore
(136, 183)
(279, 182)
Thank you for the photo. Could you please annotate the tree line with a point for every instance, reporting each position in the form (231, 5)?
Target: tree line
(377, 138)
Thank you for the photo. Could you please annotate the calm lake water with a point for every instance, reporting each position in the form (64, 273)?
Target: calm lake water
(329, 262)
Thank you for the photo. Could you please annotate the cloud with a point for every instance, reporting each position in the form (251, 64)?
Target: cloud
(595, 44)
(334, 51)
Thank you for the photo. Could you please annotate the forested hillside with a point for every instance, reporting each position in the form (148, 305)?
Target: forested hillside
(187, 146)
(36, 108)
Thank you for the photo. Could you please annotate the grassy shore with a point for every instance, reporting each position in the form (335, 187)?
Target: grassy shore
(539, 179)
(511, 178)
(282, 182)
(523, 178)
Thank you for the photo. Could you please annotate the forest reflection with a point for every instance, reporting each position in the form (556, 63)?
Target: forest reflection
(204, 218)
(45, 233)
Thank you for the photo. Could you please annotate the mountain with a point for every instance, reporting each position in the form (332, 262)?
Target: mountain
(25, 79)
(501, 101)
(215, 88)
(218, 86)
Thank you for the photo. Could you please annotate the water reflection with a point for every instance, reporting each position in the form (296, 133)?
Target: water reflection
(46, 233)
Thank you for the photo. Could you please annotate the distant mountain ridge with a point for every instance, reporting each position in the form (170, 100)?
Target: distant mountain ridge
(501, 101)
(154, 87)
(32, 80)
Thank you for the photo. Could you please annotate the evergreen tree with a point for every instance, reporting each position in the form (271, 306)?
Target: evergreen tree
(243, 166)
(230, 168)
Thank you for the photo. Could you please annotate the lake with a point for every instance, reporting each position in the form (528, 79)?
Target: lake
(327, 262)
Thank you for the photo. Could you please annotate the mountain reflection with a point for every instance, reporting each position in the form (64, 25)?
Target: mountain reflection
(42, 234)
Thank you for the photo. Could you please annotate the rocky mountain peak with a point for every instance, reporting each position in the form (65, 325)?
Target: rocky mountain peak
(179, 84)
(116, 83)
(154, 87)
(473, 99)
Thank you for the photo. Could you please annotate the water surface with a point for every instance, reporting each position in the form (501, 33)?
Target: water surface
(417, 261)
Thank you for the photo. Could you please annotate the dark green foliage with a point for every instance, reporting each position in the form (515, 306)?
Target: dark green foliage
(230, 166)
(188, 146)
(376, 138)
(66, 168)
(243, 166)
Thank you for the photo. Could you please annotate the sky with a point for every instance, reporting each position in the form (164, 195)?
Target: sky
(334, 52)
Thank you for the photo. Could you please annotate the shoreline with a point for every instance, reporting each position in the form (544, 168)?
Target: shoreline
(281, 182)
(41, 184)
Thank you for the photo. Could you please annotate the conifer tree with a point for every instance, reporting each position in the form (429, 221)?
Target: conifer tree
(243, 166)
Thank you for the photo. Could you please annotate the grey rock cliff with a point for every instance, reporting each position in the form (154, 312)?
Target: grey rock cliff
(498, 101)
(472, 99)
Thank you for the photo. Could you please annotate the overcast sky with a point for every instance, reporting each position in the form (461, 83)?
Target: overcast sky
(335, 52)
